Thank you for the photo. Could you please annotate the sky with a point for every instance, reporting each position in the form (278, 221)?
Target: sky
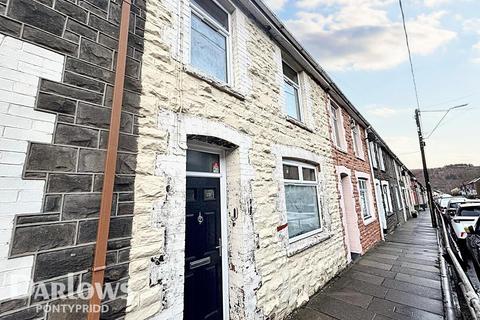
(361, 45)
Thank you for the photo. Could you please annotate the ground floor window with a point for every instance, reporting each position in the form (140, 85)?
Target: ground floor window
(364, 200)
(301, 197)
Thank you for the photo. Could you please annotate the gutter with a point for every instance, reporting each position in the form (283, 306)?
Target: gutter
(99, 263)
(274, 24)
(276, 28)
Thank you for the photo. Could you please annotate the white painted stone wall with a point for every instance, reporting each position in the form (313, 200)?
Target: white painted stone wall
(177, 101)
(21, 66)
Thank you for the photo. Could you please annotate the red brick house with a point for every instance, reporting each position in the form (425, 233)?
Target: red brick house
(355, 180)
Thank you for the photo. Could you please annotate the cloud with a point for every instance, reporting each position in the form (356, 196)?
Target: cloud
(434, 3)
(476, 51)
(473, 25)
(383, 112)
(276, 5)
(363, 37)
(359, 3)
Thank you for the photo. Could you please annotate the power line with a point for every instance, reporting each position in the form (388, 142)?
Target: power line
(409, 54)
(444, 116)
(419, 126)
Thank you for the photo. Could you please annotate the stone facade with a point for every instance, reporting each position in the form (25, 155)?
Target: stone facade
(56, 80)
(57, 70)
(179, 105)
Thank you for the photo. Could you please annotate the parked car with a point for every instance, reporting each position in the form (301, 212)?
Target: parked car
(443, 201)
(453, 204)
(466, 216)
(472, 245)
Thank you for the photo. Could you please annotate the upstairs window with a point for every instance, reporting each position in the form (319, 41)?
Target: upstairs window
(301, 197)
(210, 39)
(336, 125)
(364, 199)
(291, 89)
(373, 152)
(357, 139)
(381, 159)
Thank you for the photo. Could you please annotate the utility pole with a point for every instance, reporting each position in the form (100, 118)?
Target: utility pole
(425, 169)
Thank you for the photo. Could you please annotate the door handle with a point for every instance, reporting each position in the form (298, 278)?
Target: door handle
(219, 247)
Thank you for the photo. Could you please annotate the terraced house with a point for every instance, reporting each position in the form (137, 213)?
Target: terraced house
(355, 179)
(387, 183)
(190, 153)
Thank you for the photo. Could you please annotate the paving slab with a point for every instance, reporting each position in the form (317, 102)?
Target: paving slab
(310, 314)
(413, 288)
(374, 271)
(414, 272)
(418, 280)
(416, 301)
(365, 277)
(398, 279)
(339, 309)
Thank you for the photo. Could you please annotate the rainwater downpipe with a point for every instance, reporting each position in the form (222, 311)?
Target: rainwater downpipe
(99, 262)
(369, 158)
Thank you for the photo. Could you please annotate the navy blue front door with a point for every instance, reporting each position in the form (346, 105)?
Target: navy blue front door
(203, 263)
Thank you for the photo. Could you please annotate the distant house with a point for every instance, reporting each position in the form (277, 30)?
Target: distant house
(471, 189)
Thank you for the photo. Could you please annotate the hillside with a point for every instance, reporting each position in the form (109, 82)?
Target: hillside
(449, 177)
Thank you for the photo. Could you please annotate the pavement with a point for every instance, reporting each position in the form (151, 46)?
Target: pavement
(398, 279)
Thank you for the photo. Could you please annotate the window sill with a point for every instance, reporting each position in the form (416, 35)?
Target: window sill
(369, 221)
(360, 158)
(303, 244)
(299, 124)
(341, 149)
(222, 86)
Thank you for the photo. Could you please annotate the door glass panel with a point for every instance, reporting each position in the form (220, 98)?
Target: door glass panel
(208, 194)
(203, 162)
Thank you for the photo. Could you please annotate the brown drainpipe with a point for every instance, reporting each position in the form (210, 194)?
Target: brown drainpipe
(98, 270)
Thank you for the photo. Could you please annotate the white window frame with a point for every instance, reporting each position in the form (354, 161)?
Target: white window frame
(399, 199)
(339, 142)
(366, 215)
(302, 182)
(381, 158)
(204, 16)
(386, 190)
(299, 92)
(370, 193)
(358, 142)
(373, 152)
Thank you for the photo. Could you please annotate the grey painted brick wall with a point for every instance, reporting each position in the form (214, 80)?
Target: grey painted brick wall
(396, 217)
(62, 237)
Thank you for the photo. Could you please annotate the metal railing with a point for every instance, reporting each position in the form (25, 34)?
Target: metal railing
(469, 293)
